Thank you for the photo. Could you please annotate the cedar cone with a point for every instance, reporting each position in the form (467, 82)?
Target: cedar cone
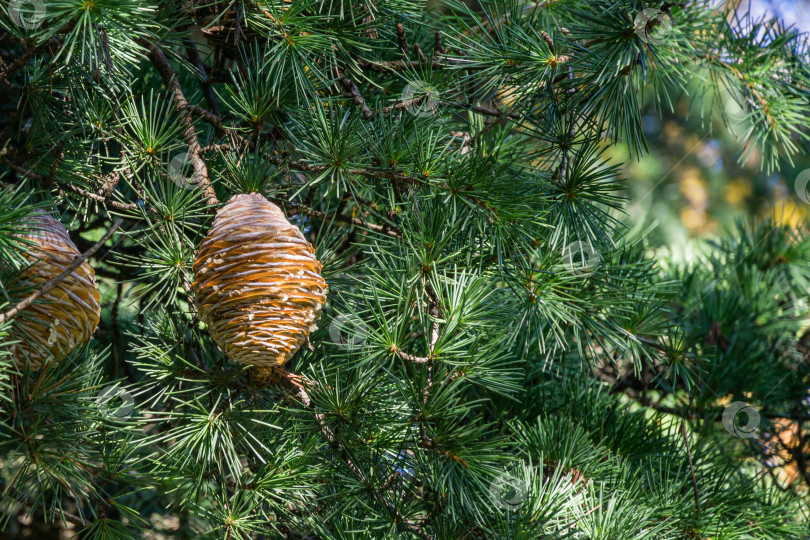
(257, 283)
(65, 317)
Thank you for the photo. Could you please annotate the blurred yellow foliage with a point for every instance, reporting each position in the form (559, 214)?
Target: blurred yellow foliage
(692, 143)
(693, 219)
(693, 187)
(672, 132)
(787, 212)
(736, 191)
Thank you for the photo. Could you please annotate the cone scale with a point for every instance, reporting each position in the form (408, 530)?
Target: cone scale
(68, 314)
(257, 285)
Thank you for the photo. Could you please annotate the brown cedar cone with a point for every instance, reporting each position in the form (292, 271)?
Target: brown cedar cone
(65, 317)
(257, 283)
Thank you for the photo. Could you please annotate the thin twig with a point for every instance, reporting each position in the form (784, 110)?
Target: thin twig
(189, 295)
(480, 109)
(548, 40)
(43, 181)
(58, 158)
(404, 104)
(411, 358)
(368, 173)
(224, 147)
(50, 284)
(396, 65)
(293, 209)
(109, 182)
(420, 54)
(298, 382)
(437, 45)
(124, 207)
(182, 106)
(433, 311)
(338, 446)
(18, 88)
(402, 40)
(23, 59)
(205, 82)
(352, 89)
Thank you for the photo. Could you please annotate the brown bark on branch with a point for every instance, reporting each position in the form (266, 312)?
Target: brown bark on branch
(184, 109)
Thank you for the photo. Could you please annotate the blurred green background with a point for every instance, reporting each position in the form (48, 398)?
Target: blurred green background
(698, 178)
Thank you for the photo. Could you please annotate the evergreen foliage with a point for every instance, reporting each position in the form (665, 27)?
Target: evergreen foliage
(502, 354)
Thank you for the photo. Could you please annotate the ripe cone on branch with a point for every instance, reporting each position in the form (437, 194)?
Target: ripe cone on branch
(66, 316)
(257, 283)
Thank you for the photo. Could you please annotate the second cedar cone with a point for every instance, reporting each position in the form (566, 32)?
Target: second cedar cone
(257, 283)
(65, 317)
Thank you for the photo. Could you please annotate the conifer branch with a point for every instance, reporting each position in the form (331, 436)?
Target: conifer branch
(17, 88)
(453, 226)
(46, 181)
(354, 93)
(294, 209)
(20, 61)
(405, 104)
(337, 445)
(434, 312)
(183, 108)
(64, 514)
(480, 109)
(689, 450)
(411, 358)
(382, 66)
(763, 103)
(102, 199)
(340, 448)
(205, 82)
